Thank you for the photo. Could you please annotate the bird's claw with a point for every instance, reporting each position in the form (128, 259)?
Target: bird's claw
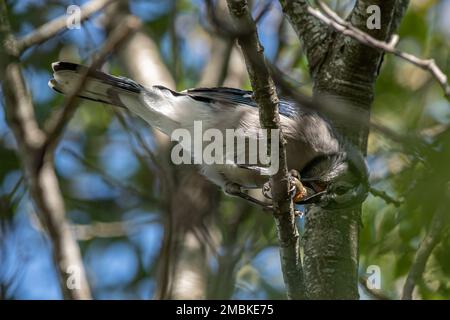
(296, 188)
(235, 189)
(298, 191)
(267, 190)
(299, 213)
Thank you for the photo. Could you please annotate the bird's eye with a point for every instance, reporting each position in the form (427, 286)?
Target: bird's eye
(341, 190)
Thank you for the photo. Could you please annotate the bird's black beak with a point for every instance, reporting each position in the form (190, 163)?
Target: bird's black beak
(315, 192)
(313, 198)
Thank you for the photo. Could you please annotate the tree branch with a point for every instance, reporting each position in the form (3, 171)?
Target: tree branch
(376, 294)
(333, 20)
(58, 120)
(85, 232)
(313, 34)
(51, 28)
(383, 195)
(215, 71)
(39, 169)
(183, 258)
(265, 95)
(110, 180)
(345, 78)
(360, 15)
(36, 151)
(426, 247)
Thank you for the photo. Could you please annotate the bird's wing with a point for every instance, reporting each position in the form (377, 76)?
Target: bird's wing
(256, 169)
(237, 96)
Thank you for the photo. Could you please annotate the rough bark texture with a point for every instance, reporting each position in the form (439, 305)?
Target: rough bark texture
(264, 92)
(331, 254)
(344, 71)
(314, 36)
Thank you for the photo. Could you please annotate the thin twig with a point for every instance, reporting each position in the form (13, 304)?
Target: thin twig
(58, 120)
(112, 229)
(36, 152)
(162, 171)
(383, 195)
(432, 238)
(410, 142)
(263, 11)
(112, 181)
(53, 27)
(183, 259)
(221, 28)
(265, 95)
(377, 294)
(330, 18)
(314, 35)
(39, 169)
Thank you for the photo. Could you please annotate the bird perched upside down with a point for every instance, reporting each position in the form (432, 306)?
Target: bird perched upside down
(333, 172)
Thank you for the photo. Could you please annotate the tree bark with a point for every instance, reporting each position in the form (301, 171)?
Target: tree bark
(265, 95)
(39, 167)
(344, 71)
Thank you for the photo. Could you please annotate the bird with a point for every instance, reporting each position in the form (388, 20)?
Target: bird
(325, 168)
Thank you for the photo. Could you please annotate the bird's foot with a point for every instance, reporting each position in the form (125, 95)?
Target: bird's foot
(235, 189)
(267, 190)
(296, 188)
(298, 213)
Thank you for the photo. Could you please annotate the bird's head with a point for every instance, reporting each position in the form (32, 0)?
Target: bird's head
(336, 180)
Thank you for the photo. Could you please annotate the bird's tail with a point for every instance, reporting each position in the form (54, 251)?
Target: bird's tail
(98, 85)
(154, 104)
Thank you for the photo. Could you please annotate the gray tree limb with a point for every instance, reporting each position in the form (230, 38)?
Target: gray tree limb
(313, 34)
(57, 121)
(346, 28)
(53, 27)
(345, 77)
(38, 165)
(36, 152)
(42, 181)
(265, 95)
(226, 66)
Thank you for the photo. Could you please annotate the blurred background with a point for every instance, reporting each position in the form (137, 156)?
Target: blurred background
(149, 230)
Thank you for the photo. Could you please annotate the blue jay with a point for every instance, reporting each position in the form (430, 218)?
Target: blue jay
(326, 169)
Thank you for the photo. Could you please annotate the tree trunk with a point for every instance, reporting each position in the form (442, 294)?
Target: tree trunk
(344, 72)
